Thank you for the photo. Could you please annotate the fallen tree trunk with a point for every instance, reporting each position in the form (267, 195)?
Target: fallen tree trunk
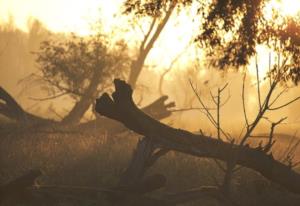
(158, 109)
(10, 108)
(122, 108)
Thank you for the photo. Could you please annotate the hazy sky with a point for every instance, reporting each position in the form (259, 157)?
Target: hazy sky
(77, 16)
(59, 15)
(74, 15)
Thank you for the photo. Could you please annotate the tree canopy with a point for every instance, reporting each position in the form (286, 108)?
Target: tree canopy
(230, 30)
(70, 66)
(80, 67)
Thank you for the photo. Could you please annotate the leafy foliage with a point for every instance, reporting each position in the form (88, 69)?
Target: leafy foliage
(231, 29)
(239, 19)
(71, 65)
(154, 8)
(287, 37)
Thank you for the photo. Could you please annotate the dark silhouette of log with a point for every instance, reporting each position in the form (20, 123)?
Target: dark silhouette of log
(159, 109)
(122, 108)
(12, 110)
(140, 162)
(17, 189)
(133, 184)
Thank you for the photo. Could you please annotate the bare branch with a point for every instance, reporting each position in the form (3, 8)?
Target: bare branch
(209, 115)
(218, 114)
(286, 104)
(146, 37)
(49, 98)
(261, 112)
(278, 96)
(243, 99)
(160, 85)
(258, 83)
(270, 143)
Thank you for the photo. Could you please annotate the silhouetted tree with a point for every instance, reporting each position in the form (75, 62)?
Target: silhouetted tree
(158, 21)
(81, 67)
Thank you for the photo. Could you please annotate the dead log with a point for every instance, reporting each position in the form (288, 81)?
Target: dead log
(122, 108)
(141, 160)
(133, 184)
(12, 110)
(159, 109)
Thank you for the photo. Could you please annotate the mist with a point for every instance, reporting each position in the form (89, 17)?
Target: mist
(68, 123)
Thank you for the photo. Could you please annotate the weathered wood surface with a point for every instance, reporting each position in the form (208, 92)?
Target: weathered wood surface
(121, 107)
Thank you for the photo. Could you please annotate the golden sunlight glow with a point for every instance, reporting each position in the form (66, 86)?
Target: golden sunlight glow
(58, 15)
(287, 7)
(284, 8)
(77, 16)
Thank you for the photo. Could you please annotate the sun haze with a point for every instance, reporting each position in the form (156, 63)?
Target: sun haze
(58, 15)
(77, 16)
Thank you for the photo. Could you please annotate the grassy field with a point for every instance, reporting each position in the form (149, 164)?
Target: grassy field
(97, 160)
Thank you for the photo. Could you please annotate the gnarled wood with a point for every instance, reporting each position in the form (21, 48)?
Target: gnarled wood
(122, 108)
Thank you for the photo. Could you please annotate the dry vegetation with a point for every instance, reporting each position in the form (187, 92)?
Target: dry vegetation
(98, 161)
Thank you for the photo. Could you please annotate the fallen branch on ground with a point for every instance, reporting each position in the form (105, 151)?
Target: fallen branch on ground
(122, 108)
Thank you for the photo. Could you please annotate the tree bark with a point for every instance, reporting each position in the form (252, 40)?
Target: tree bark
(122, 108)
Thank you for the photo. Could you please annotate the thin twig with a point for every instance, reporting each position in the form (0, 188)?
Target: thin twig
(286, 104)
(258, 82)
(49, 98)
(243, 99)
(208, 114)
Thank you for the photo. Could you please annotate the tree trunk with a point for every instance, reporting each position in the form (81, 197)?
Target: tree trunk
(80, 107)
(122, 108)
(147, 45)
